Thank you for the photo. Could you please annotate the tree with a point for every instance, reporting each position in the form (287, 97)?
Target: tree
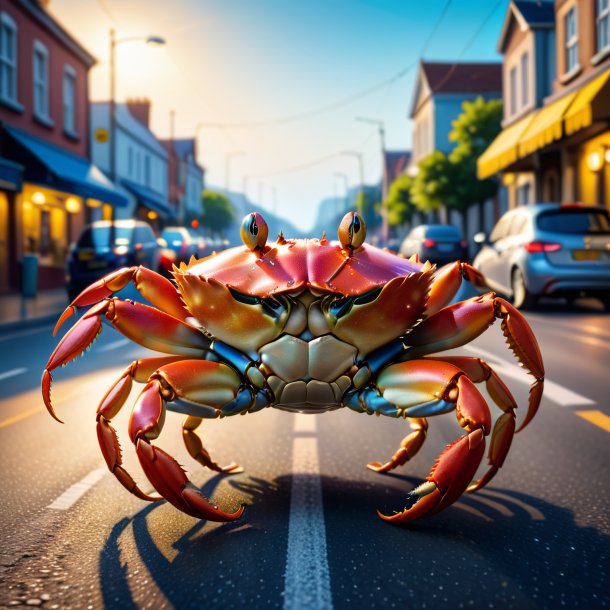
(218, 212)
(399, 203)
(369, 206)
(473, 131)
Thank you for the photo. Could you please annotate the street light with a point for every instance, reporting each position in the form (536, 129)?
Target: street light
(114, 42)
(353, 153)
(231, 155)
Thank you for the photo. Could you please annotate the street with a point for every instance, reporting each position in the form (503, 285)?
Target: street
(536, 537)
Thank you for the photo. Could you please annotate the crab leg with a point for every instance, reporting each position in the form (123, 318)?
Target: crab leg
(145, 325)
(409, 446)
(152, 286)
(210, 384)
(416, 387)
(462, 322)
(198, 452)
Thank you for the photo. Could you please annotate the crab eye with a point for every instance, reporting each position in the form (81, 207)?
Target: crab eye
(254, 231)
(352, 231)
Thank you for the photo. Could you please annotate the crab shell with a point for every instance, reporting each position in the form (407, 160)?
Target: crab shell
(239, 295)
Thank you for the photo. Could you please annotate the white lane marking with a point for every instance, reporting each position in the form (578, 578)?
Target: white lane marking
(553, 391)
(25, 333)
(12, 373)
(78, 490)
(307, 577)
(305, 423)
(113, 345)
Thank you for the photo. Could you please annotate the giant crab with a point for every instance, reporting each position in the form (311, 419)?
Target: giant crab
(303, 325)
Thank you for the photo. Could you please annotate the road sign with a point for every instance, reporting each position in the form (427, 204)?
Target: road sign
(101, 136)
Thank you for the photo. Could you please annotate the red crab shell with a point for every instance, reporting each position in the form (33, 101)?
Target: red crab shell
(295, 264)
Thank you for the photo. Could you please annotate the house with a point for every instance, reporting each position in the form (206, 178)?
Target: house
(141, 161)
(48, 186)
(555, 149)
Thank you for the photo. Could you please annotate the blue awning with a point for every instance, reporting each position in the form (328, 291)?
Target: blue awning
(64, 171)
(11, 175)
(149, 198)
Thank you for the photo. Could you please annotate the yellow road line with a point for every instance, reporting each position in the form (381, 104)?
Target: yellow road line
(16, 418)
(597, 418)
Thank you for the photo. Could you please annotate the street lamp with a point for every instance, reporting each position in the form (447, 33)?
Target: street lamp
(353, 153)
(231, 155)
(114, 42)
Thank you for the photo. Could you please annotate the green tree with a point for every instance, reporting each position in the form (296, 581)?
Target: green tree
(473, 131)
(369, 206)
(218, 212)
(399, 203)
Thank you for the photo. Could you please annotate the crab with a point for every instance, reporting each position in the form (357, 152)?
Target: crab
(307, 326)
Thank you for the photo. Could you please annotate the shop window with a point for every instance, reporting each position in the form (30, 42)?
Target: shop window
(602, 20)
(69, 95)
(8, 59)
(523, 194)
(45, 233)
(571, 40)
(41, 81)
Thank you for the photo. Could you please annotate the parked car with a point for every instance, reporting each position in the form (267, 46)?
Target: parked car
(182, 243)
(108, 245)
(439, 244)
(548, 249)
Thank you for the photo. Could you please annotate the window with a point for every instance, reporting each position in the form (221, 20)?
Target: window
(571, 40)
(41, 81)
(524, 79)
(602, 20)
(8, 59)
(523, 194)
(69, 94)
(513, 91)
(147, 170)
(130, 162)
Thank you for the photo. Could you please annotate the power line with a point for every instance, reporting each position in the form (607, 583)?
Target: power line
(108, 12)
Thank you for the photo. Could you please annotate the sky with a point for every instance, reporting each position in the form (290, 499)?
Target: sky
(276, 86)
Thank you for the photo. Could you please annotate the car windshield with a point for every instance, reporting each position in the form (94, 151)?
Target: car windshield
(173, 236)
(99, 237)
(443, 232)
(575, 221)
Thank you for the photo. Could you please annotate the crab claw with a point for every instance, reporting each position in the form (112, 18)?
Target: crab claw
(448, 479)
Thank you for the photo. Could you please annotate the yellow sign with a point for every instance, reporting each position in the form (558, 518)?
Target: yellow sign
(101, 136)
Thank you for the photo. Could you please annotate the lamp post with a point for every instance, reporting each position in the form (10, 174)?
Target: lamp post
(384, 174)
(114, 42)
(346, 183)
(228, 158)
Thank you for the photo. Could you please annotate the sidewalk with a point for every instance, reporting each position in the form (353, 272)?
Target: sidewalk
(17, 312)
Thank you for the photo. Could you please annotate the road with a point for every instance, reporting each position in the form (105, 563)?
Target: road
(537, 537)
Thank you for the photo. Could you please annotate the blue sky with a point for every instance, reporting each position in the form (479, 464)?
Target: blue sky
(240, 61)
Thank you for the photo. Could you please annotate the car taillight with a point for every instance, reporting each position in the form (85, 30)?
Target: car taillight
(464, 243)
(429, 243)
(121, 250)
(183, 249)
(138, 247)
(540, 246)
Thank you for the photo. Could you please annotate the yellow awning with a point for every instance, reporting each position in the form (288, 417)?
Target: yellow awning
(592, 102)
(547, 127)
(502, 152)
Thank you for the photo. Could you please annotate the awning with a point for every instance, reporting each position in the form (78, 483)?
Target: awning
(63, 171)
(149, 198)
(503, 151)
(592, 103)
(547, 126)
(11, 175)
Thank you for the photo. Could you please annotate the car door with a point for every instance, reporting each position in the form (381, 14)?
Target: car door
(490, 260)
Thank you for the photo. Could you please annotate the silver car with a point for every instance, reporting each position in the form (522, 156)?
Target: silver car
(548, 249)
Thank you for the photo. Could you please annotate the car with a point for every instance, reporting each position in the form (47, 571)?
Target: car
(548, 249)
(182, 243)
(104, 246)
(436, 243)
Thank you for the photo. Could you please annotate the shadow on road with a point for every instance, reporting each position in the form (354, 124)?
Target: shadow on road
(495, 547)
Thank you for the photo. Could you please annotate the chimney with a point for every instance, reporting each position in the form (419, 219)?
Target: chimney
(139, 108)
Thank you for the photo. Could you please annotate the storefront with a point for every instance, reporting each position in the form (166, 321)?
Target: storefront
(46, 210)
(151, 206)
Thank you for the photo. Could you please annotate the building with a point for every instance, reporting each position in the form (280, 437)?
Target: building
(440, 91)
(48, 186)
(141, 161)
(555, 148)
(186, 178)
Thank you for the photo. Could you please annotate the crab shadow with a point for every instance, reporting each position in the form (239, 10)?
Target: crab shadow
(497, 546)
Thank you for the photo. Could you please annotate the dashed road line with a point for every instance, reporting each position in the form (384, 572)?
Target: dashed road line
(13, 373)
(553, 391)
(26, 332)
(78, 490)
(597, 418)
(114, 345)
(307, 576)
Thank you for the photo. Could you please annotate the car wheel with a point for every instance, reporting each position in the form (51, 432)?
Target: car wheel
(522, 297)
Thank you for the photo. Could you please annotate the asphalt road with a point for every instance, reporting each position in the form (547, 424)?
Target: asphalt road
(537, 537)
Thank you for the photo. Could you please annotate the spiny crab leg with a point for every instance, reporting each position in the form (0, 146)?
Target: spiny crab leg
(462, 322)
(188, 380)
(419, 386)
(152, 286)
(145, 325)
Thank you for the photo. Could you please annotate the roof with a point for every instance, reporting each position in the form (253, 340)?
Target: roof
(465, 77)
(529, 15)
(184, 149)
